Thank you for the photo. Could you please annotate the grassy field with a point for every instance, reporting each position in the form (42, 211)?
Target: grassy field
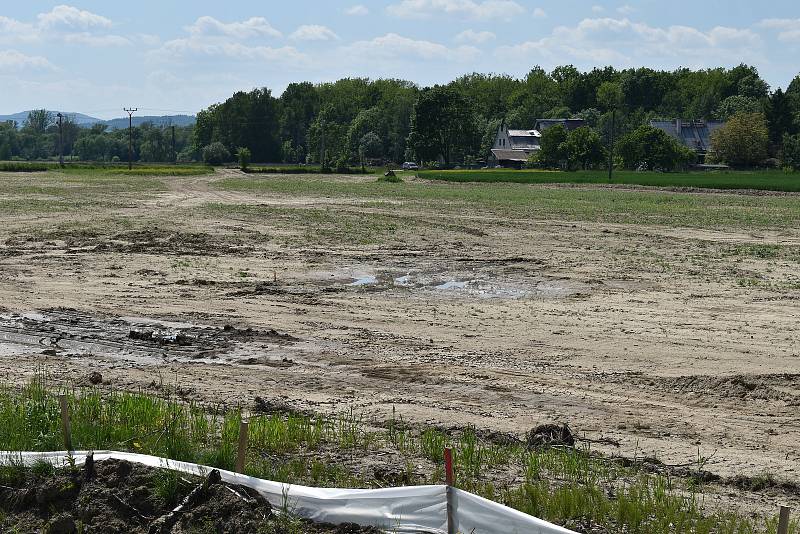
(758, 180)
(525, 201)
(110, 169)
(571, 487)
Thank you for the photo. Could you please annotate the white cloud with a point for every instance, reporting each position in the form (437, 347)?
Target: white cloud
(394, 46)
(15, 29)
(86, 38)
(621, 42)
(314, 32)
(63, 23)
(252, 27)
(627, 9)
(788, 29)
(486, 9)
(357, 10)
(210, 38)
(14, 60)
(539, 13)
(471, 36)
(69, 17)
(598, 9)
(149, 39)
(193, 47)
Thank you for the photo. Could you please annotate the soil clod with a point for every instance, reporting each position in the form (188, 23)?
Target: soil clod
(550, 435)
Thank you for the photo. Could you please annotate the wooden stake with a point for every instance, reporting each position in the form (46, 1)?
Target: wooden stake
(449, 479)
(783, 520)
(242, 452)
(65, 426)
(448, 466)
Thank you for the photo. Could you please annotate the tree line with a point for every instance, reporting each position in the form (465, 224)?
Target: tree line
(355, 119)
(40, 137)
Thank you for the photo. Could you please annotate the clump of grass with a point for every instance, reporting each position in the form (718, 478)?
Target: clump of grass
(390, 178)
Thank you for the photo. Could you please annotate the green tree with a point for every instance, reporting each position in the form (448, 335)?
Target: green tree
(742, 141)
(583, 148)
(443, 125)
(288, 152)
(780, 120)
(791, 152)
(370, 145)
(244, 156)
(38, 120)
(215, 154)
(553, 150)
(736, 104)
(653, 149)
(610, 96)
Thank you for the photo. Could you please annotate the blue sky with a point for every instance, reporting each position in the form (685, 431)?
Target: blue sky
(97, 56)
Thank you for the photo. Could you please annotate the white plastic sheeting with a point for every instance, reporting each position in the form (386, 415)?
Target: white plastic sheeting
(408, 509)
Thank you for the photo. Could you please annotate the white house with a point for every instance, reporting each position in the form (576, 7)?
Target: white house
(512, 148)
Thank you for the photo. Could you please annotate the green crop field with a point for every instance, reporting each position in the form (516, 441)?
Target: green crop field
(760, 180)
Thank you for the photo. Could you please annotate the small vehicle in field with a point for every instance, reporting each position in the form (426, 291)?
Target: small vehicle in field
(410, 166)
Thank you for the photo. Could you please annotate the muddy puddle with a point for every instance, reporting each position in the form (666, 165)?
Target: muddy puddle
(443, 284)
(72, 333)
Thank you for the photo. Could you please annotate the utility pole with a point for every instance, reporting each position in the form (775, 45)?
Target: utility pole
(130, 112)
(60, 139)
(174, 155)
(611, 145)
(322, 148)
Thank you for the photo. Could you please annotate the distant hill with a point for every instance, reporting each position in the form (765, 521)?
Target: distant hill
(80, 118)
(166, 120)
(113, 124)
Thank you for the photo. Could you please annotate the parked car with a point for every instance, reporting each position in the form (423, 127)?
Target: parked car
(410, 166)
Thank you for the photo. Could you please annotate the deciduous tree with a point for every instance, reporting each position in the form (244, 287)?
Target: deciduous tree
(742, 141)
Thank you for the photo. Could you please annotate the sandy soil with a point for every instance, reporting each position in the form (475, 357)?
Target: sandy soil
(651, 336)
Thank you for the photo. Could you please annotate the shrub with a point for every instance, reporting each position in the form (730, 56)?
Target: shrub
(742, 141)
(791, 151)
(23, 167)
(215, 154)
(653, 149)
(342, 165)
(244, 157)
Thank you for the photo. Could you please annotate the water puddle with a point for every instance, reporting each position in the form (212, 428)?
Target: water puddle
(453, 284)
(364, 281)
(403, 281)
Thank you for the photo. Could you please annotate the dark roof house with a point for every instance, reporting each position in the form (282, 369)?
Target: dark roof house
(570, 124)
(694, 134)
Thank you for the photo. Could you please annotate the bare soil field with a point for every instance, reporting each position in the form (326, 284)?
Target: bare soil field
(657, 323)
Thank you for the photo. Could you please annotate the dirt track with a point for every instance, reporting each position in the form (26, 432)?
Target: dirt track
(648, 335)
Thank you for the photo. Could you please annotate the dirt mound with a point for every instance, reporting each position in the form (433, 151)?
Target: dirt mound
(550, 435)
(117, 496)
(751, 387)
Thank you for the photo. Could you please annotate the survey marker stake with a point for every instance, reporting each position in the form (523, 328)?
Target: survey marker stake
(449, 479)
(783, 520)
(65, 426)
(242, 452)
